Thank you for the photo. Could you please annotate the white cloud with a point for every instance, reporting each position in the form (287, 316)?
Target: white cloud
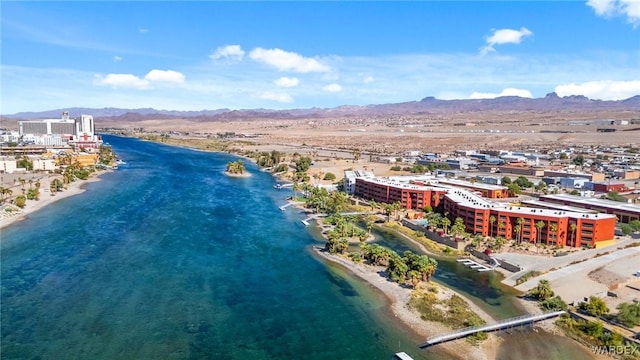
(143, 30)
(169, 76)
(279, 97)
(332, 88)
(287, 61)
(228, 51)
(117, 58)
(121, 81)
(287, 82)
(504, 36)
(603, 90)
(368, 79)
(134, 82)
(506, 92)
(610, 8)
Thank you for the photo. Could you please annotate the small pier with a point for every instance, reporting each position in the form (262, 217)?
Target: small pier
(500, 325)
(403, 356)
(312, 217)
(282, 186)
(283, 207)
(476, 265)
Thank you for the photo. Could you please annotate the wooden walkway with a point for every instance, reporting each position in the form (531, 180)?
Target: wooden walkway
(503, 324)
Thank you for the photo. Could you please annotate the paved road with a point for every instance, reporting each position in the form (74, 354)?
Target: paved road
(544, 264)
(582, 267)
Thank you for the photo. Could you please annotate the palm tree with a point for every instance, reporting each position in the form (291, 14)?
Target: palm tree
(553, 228)
(369, 226)
(445, 222)
(434, 219)
(414, 277)
(501, 226)
(539, 225)
(388, 209)
(235, 167)
(432, 267)
(492, 220)
(542, 291)
(573, 227)
(294, 190)
(373, 204)
(517, 229)
(499, 242)
(520, 221)
(458, 226)
(4, 192)
(395, 207)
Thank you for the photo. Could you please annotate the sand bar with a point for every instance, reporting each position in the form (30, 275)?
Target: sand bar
(399, 297)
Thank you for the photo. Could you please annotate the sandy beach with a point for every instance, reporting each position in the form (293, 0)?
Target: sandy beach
(245, 174)
(74, 188)
(399, 297)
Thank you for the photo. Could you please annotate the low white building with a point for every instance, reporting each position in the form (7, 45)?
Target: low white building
(8, 165)
(41, 164)
(9, 136)
(350, 177)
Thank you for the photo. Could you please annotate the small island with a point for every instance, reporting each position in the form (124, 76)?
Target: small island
(236, 169)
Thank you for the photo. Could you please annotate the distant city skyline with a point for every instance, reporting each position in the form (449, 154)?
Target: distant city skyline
(285, 55)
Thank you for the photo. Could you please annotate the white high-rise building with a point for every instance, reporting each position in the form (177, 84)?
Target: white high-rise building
(85, 136)
(80, 133)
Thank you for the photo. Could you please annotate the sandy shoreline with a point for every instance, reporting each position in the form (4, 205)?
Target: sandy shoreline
(245, 174)
(399, 297)
(74, 188)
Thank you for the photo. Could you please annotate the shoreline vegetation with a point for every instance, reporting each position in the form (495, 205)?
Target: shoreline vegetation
(236, 169)
(18, 214)
(403, 304)
(48, 187)
(406, 304)
(423, 307)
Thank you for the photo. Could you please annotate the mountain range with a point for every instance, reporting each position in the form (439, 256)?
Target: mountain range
(429, 105)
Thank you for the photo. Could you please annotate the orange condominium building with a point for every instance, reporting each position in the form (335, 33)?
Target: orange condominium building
(481, 216)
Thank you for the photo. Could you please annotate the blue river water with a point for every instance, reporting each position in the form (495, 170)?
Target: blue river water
(167, 258)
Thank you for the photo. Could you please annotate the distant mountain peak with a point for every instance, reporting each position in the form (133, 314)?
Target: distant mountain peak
(428, 105)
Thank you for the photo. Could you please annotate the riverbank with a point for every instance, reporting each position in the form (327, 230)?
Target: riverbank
(46, 198)
(399, 298)
(245, 174)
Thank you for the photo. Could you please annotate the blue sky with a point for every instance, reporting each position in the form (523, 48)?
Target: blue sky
(283, 55)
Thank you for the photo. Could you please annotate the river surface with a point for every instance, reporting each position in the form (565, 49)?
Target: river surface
(167, 258)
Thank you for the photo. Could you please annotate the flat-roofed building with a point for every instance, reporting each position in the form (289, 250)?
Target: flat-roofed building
(559, 228)
(8, 164)
(62, 126)
(55, 132)
(601, 186)
(627, 174)
(588, 176)
(487, 190)
(42, 164)
(624, 212)
(488, 218)
(410, 196)
(509, 169)
(350, 177)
